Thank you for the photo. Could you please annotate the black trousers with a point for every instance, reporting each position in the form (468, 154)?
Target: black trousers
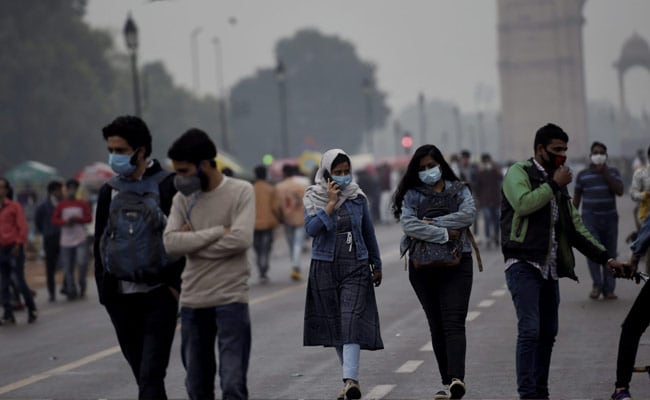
(635, 324)
(145, 324)
(52, 248)
(444, 295)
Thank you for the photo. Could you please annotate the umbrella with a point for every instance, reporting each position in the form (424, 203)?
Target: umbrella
(94, 174)
(31, 172)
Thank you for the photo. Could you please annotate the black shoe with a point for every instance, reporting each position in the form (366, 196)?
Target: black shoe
(456, 389)
(9, 321)
(31, 316)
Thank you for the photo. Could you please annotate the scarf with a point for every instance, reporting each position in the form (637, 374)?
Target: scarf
(316, 195)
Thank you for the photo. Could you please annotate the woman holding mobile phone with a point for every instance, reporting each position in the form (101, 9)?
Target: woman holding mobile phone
(341, 310)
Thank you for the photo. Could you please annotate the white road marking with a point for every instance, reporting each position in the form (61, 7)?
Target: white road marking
(112, 350)
(498, 293)
(378, 392)
(427, 347)
(409, 366)
(486, 303)
(472, 315)
(63, 368)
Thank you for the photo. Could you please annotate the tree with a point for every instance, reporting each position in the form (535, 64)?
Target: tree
(326, 106)
(55, 83)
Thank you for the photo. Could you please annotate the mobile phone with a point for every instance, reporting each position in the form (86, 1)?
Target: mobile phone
(327, 176)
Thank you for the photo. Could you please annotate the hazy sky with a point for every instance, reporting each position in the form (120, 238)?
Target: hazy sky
(444, 48)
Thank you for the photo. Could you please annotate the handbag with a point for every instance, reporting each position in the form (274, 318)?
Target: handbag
(425, 254)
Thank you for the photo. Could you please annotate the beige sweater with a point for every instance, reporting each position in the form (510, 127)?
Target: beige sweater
(217, 268)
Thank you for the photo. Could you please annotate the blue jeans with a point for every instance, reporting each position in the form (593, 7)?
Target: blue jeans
(642, 242)
(295, 238)
(13, 265)
(71, 257)
(536, 302)
(349, 355)
(491, 220)
(605, 229)
(263, 243)
(230, 325)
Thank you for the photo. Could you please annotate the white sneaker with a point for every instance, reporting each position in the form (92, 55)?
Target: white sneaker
(456, 389)
(442, 394)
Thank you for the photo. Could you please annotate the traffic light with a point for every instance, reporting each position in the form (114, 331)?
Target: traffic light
(407, 142)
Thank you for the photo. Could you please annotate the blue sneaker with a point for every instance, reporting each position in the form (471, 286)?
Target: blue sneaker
(621, 395)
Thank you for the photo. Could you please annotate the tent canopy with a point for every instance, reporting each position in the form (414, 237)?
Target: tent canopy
(31, 173)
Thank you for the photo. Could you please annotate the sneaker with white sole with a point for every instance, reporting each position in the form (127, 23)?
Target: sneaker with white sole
(442, 394)
(456, 389)
(622, 394)
(352, 389)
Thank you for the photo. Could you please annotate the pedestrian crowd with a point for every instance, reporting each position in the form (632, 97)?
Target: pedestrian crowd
(174, 244)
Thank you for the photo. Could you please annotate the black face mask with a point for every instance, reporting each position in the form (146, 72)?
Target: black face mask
(554, 162)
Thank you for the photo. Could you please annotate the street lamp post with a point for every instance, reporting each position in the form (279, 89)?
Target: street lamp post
(195, 58)
(223, 123)
(423, 119)
(131, 38)
(459, 129)
(281, 77)
(367, 88)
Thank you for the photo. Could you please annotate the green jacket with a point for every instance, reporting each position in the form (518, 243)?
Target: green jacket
(526, 221)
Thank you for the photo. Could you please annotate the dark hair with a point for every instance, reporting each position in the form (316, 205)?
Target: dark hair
(465, 153)
(72, 182)
(193, 146)
(53, 186)
(547, 133)
(260, 172)
(289, 170)
(594, 144)
(485, 157)
(10, 190)
(132, 129)
(340, 159)
(411, 177)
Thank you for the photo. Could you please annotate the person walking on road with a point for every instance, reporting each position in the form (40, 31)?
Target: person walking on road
(340, 309)
(597, 188)
(488, 198)
(539, 228)
(292, 215)
(640, 193)
(211, 223)
(72, 215)
(13, 238)
(50, 233)
(266, 220)
(143, 313)
(443, 292)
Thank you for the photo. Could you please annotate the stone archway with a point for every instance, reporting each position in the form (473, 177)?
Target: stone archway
(635, 53)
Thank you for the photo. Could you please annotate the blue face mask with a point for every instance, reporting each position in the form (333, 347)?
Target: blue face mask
(343, 181)
(430, 176)
(121, 164)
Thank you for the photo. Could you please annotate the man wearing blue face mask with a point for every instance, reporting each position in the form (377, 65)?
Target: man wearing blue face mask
(597, 187)
(143, 313)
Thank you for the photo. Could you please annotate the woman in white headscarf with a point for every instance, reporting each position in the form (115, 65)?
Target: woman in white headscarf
(341, 310)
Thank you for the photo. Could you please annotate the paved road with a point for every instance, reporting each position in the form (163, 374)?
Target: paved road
(72, 353)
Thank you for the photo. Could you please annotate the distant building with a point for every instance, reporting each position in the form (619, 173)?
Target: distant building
(541, 69)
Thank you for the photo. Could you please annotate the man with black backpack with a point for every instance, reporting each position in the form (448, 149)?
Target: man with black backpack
(136, 281)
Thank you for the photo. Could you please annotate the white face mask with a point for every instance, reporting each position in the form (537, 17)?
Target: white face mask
(598, 159)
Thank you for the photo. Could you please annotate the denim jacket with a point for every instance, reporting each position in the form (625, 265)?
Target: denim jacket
(322, 228)
(435, 230)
